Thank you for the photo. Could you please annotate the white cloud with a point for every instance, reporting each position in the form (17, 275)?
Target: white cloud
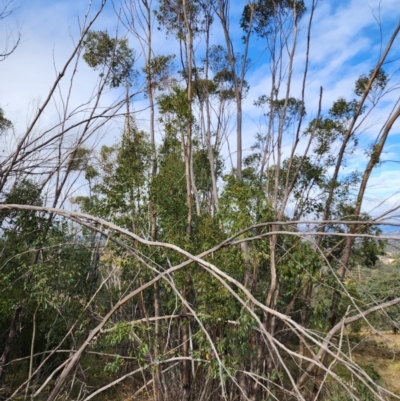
(345, 43)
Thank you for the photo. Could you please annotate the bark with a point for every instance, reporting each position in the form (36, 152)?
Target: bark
(350, 129)
(186, 371)
(222, 11)
(8, 347)
(324, 349)
(188, 142)
(4, 174)
(374, 159)
(210, 149)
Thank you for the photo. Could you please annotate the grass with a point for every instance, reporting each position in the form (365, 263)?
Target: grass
(383, 352)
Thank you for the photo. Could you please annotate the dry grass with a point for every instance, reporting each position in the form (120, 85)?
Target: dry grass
(383, 352)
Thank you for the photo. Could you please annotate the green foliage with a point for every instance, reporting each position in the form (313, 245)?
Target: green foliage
(172, 106)
(377, 87)
(115, 365)
(289, 110)
(243, 203)
(383, 287)
(171, 15)
(46, 273)
(168, 191)
(218, 59)
(103, 52)
(362, 392)
(226, 87)
(203, 88)
(120, 186)
(343, 110)
(80, 159)
(126, 190)
(365, 251)
(159, 71)
(307, 186)
(59, 276)
(4, 123)
(332, 128)
(298, 262)
(201, 167)
(260, 15)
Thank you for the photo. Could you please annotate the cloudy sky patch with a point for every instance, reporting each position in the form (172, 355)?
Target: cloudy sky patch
(346, 42)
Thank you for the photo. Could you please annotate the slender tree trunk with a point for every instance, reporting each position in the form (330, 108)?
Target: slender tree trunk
(374, 159)
(186, 370)
(329, 201)
(158, 379)
(188, 142)
(8, 347)
(208, 132)
(223, 12)
(344, 261)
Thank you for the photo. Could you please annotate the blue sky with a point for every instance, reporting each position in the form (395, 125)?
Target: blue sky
(346, 42)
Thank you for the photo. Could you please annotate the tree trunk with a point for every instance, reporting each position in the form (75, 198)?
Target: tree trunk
(8, 347)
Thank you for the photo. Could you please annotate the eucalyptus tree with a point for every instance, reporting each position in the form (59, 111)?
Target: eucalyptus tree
(213, 283)
(138, 18)
(46, 273)
(26, 239)
(183, 19)
(52, 157)
(189, 21)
